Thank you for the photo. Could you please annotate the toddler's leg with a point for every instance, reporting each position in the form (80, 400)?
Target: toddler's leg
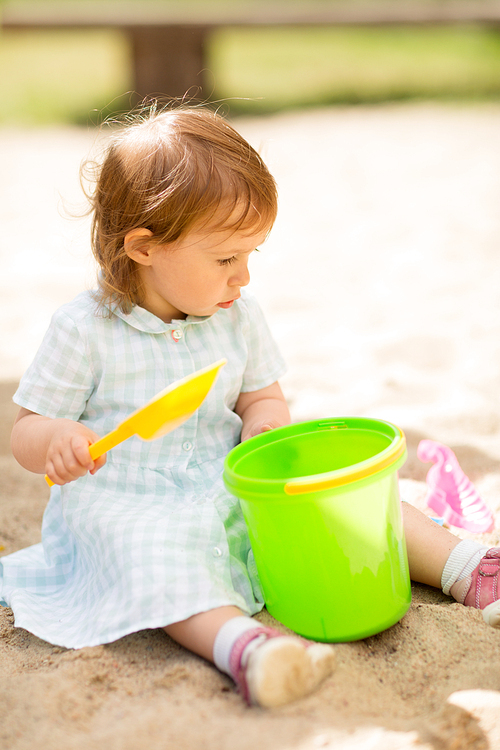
(428, 544)
(269, 668)
(464, 569)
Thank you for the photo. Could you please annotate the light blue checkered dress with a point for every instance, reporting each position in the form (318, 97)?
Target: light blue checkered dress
(153, 537)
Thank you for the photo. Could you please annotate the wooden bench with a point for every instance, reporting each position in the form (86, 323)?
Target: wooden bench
(169, 41)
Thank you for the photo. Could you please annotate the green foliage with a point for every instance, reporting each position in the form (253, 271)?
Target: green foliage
(62, 76)
(296, 67)
(81, 76)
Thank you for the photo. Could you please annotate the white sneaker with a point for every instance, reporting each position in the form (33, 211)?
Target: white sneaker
(272, 669)
(491, 614)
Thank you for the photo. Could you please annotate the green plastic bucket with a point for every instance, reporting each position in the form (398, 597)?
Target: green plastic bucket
(321, 503)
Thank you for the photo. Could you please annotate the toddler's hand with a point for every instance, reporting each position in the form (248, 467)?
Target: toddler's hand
(68, 454)
(258, 427)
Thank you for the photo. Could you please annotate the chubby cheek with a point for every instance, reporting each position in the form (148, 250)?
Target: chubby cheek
(215, 282)
(207, 291)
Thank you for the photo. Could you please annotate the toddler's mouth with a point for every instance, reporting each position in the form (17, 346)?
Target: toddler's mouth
(226, 305)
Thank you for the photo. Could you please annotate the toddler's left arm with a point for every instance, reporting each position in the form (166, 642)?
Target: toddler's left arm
(262, 410)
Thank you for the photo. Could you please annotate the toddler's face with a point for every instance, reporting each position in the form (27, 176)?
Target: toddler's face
(200, 273)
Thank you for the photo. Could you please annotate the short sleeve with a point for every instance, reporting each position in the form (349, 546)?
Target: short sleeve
(59, 381)
(265, 363)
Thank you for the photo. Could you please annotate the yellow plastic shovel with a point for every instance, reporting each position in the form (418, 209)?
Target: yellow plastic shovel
(166, 411)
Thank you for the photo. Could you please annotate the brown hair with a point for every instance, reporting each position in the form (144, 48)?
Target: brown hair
(167, 172)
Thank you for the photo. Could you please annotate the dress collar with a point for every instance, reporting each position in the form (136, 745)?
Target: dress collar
(145, 321)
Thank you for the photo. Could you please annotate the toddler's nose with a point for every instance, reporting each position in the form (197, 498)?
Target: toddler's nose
(241, 276)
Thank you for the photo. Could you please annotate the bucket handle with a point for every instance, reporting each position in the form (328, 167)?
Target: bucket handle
(302, 486)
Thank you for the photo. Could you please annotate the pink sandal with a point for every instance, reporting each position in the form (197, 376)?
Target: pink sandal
(272, 669)
(482, 589)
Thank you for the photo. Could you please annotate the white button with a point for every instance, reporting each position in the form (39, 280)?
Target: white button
(177, 334)
(217, 552)
(187, 445)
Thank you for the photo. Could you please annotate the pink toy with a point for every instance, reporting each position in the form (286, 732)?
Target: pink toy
(450, 491)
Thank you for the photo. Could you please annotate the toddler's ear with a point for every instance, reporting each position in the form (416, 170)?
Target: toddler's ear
(137, 247)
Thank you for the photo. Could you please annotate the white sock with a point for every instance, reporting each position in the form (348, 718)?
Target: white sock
(227, 637)
(461, 562)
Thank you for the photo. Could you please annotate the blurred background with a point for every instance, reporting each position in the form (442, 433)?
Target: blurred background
(79, 75)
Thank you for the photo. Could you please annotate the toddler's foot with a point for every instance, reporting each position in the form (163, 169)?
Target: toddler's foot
(272, 669)
(481, 589)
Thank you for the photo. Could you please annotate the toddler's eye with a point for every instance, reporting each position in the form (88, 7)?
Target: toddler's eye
(226, 261)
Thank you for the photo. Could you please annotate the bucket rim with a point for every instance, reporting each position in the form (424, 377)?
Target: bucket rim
(393, 454)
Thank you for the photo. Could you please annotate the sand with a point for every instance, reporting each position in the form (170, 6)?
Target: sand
(380, 282)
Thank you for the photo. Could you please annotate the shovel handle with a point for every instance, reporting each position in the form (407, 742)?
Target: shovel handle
(102, 446)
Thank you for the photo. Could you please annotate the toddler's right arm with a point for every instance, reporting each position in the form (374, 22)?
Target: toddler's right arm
(56, 447)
